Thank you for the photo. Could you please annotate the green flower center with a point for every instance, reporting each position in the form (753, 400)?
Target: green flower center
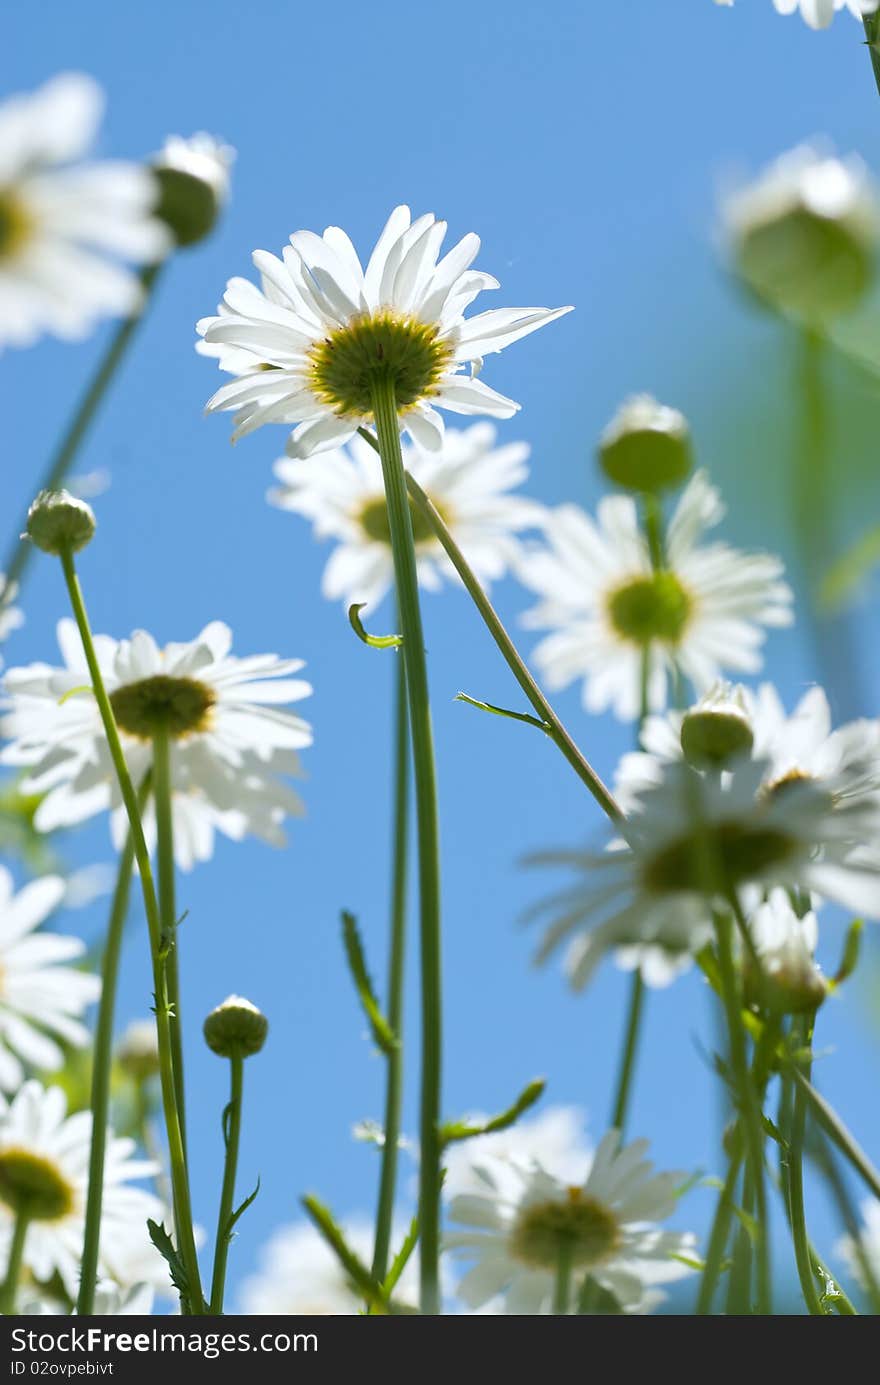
(581, 1229)
(717, 859)
(345, 364)
(650, 608)
(15, 224)
(178, 706)
(373, 519)
(34, 1186)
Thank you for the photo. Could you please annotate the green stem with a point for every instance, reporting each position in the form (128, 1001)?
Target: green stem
(102, 1065)
(628, 1058)
(827, 1163)
(232, 1133)
(562, 1287)
(403, 550)
(19, 554)
(834, 1128)
(179, 1178)
(720, 1227)
(163, 797)
(515, 662)
(394, 1063)
(13, 1267)
(749, 1103)
(797, 1213)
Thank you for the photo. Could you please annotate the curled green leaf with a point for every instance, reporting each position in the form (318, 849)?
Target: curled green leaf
(374, 641)
(503, 712)
(463, 1130)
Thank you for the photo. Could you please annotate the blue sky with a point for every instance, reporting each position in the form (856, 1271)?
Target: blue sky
(587, 146)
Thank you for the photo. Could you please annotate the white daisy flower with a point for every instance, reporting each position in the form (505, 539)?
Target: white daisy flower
(786, 945)
(44, 1156)
(41, 1001)
(469, 480)
(201, 156)
(300, 1274)
(525, 1220)
(605, 604)
(692, 842)
(230, 738)
(869, 1244)
(60, 225)
(554, 1139)
(306, 343)
(819, 13)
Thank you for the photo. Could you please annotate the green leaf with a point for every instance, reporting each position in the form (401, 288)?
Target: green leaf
(374, 641)
(751, 1227)
(165, 1246)
(402, 1257)
(503, 712)
(774, 1132)
(461, 1130)
(383, 1035)
(240, 1211)
(76, 692)
(852, 949)
(357, 1271)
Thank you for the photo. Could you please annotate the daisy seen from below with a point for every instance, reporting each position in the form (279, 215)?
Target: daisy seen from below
(819, 13)
(300, 1274)
(306, 345)
(44, 1157)
(230, 735)
(608, 608)
(694, 843)
(66, 227)
(469, 480)
(42, 1001)
(530, 1235)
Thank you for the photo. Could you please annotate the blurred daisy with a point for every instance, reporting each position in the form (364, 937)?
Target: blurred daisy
(692, 842)
(60, 225)
(305, 345)
(11, 617)
(202, 157)
(554, 1139)
(110, 1302)
(41, 1001)
(44, 1157)
(606, 605)
(786, 945)
(469, 480)
(819, 13)
(299, 1274)
(525, 1221)
(230, 737)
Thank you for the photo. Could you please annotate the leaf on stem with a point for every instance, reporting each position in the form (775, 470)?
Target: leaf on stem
(401, 1258)
(504, 712)
(240, 1211)
(165, 1246)
(852, 949)
(462, 1130)
(374, 641)
(383, 1034)
(357, 1271)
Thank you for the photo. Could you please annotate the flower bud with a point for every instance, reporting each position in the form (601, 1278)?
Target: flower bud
(59, 523)
(236, 1026)
(805, 235)
(193, 179)
(717, 729)
(138, 1051)
(646, 446)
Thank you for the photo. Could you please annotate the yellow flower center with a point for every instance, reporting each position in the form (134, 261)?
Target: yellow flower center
(16, 224)
(650, 608)
(581, 1229)
(33, 1186)
(717, 859)
(373, 519)
(178, 706)
(345, 364)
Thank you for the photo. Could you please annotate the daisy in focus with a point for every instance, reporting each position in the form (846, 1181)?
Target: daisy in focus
(300, 1274)
(41, 1000)
(608, 608)
(819, 13)
(695, 843)
(44, 1156)
(469, 480)
(231, 738)
(65, 227)
(307, 343)
(525, 1224)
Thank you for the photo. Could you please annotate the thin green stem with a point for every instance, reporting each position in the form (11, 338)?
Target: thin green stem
(403, 551)
(628, 1057)
(396, 960)
(562, 1286)
(515, 662)
(232, 1136)
(720, 1232)
(179, 1178)
(163, 797)
(750, 1108)
(102, 1064)
(823, 1157)
(834, 1128)
(797, 1212)
(20, 552)
(9, 1288)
